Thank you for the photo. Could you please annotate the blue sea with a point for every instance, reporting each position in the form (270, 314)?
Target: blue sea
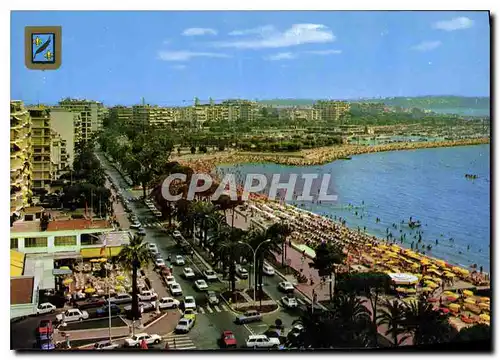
(426, 184)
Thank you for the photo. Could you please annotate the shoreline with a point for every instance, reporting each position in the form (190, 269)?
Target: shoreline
(310, 157)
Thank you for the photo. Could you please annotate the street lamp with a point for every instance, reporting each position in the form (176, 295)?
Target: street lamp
(254, 262)
(314, 293)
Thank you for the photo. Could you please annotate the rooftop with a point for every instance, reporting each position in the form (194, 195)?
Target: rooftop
(60, 225)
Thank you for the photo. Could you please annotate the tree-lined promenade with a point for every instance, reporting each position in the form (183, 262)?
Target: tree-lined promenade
(319, 156)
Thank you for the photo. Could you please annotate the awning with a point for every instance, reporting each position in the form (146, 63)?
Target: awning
(99, 252)
(16, 263)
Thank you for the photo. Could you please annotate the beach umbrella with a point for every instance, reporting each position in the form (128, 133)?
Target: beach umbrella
(484, 317)
(428, 277)
(103, 260)
(411, 291)
(468, 293)
(67, 281)
(431, 284)
(484, 306)
(484, 299)
(401, 289)
(432, 300)
(444, 310)
(454, 307)
(452, 298)
(470, 301)
(449, 293)
(64, 268)
(456, 269)
(94, 260)
(89, 290)
(449, 275)
(427, 289)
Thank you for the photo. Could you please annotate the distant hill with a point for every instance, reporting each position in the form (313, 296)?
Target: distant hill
(462, 105)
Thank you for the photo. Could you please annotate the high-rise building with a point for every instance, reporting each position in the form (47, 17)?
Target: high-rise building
(67, 126)
(121, 114)
(332, 111)
(43, 172)
(91, 113)
(20, 156)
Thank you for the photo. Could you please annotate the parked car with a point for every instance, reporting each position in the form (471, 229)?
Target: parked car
(170, 279)
(189, 303)
(72, 315)
(184, 325)
(148, 306)
(128, 309)
(90, 303)
(189, 314)
(45, 327)
(105, 345)
(241, 272)
(289, 302)
(262, 341)
(45, 308)
(168, 303)
(212, 298)
(201, 285)
(153, 248)
(135, 225)
(295, 332)
(121, 299)
(286, 286)
(268, 270)
(210, 275)
(175, 289)
(177, 234)
(179, 260)
(104, 311)
(159, 262)
(147, 295)
(227, 339)
(141, 231)
(135, 341)
(248, 316)
(188, 273)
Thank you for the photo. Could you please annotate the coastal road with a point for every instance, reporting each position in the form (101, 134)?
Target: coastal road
(211, 319)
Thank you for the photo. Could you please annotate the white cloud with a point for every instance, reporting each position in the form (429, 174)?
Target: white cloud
(458, 23)
(257, 30)
(187, 55)
(178, 67)
(324, 52)
(281, 56)
(271, 38)
(199, 32)
(427, 46)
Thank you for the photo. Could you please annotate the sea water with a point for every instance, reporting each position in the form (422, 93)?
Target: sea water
(428, 185)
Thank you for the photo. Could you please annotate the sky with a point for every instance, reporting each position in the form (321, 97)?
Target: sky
(171, 57)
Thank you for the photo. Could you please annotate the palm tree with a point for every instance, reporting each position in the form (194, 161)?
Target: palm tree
(328, 255)
(281, 230)
(393, 315)
(132, 257)
(428, 326)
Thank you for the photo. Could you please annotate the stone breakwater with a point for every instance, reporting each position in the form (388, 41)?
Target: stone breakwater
(319, 156)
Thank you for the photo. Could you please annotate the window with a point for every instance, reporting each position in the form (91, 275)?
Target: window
(14, 243)
(65, 240)
(35, 242)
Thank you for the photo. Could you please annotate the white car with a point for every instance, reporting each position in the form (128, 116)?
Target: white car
(201, 285)
(177, 234)
(147, 295)
(210, 275)
(135, 225)
(179, 260)
(189, 303)
(289, 302)
(153, 248)
(268, 270)
(286, 286)
(168, 303)
(136, 340)
(188, 273)
(175, 289)
(122, 298)
(170, 280)
(45, 308)
(262, 341)
(184, 325)
(105, 345)
(72, 315)
(159, 262)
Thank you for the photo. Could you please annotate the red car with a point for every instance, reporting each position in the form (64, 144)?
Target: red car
(227, 339)
(45, 328)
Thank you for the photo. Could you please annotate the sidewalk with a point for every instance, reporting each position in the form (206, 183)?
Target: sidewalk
(118, 210)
